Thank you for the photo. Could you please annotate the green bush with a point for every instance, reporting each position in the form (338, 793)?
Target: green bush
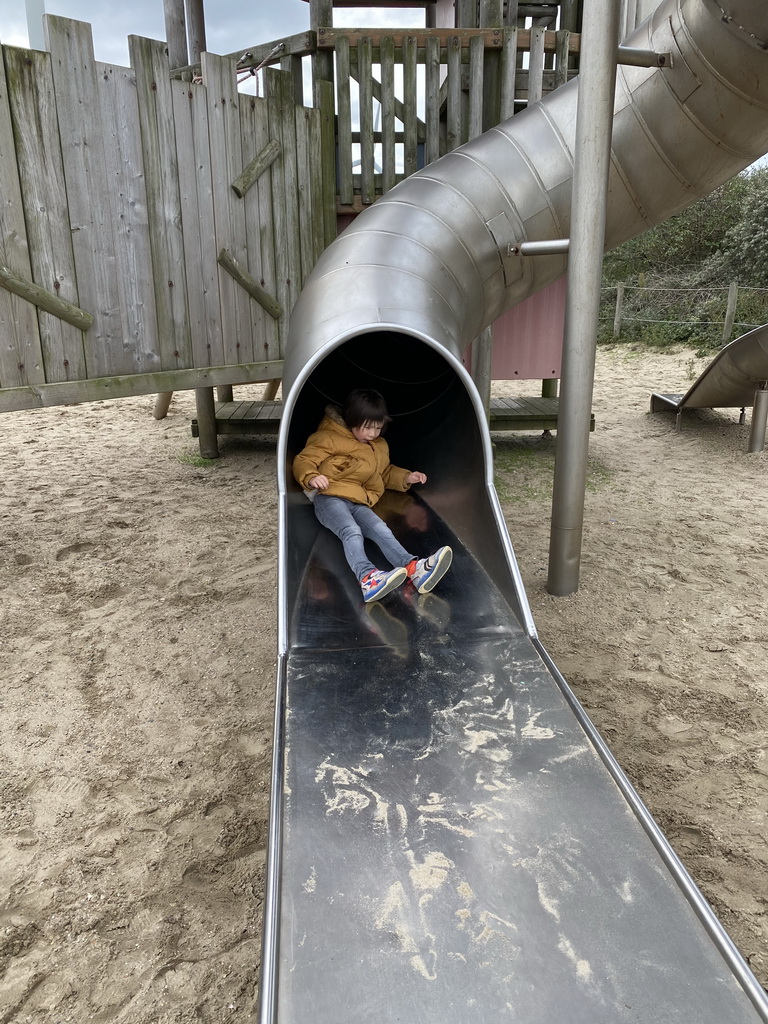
(677, 276)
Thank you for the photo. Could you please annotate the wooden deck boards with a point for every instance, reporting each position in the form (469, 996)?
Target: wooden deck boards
(529, 413)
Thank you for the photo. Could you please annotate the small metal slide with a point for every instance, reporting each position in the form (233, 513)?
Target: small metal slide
(450, 838)
(737, 378)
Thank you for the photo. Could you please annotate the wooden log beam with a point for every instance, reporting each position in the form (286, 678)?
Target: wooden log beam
(45, 300)
(300, 45)
(256, 168)
(254, 289)
(493, 39)
(43, 396)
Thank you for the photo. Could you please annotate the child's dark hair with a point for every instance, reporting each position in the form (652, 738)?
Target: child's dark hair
(364, 405)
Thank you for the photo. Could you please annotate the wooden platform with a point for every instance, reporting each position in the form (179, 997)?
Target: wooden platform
(531, 414)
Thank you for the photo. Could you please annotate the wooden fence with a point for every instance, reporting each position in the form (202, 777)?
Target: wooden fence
(128, 261)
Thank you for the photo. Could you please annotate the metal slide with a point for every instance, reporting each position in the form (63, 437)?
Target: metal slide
(731, 379)
(450, 838)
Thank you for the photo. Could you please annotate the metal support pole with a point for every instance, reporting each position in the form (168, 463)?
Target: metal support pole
(759, 419)
(594, 121)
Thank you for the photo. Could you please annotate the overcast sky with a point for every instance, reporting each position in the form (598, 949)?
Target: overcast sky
(230, 24)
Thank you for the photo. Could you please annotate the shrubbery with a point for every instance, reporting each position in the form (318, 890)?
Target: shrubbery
(677, 276)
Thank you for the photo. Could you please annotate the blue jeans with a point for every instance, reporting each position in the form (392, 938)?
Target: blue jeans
(352, 523)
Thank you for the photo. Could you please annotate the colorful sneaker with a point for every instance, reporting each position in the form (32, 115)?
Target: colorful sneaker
(379, 582)
(426, 573)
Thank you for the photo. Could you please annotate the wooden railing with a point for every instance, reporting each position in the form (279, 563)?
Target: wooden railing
(468, 80)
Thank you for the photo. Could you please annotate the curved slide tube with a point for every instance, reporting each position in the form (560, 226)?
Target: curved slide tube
(450, 838)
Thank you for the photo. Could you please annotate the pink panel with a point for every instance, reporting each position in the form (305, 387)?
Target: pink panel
(528, 339)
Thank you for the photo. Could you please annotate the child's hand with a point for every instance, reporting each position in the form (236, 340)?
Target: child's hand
(320, 482)
(416, 478)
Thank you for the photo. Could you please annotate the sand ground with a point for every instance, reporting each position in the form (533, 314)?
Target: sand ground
(137, 652)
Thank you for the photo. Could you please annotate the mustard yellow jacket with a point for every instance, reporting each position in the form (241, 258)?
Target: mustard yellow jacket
(357, 471)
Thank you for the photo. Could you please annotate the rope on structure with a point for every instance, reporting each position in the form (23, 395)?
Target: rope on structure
(247, 72)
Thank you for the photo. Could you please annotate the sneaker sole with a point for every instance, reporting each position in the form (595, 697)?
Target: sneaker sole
(398, 577)
(442, 567)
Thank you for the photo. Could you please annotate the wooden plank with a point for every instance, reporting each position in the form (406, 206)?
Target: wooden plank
(227, 410)
(36, 243)
(224, 132)
(244, 410)
(292, 66)
(250, 428)
(40, 396)
(287, 109)
(324, 101)
(365, 76)
(454, 133)
(83, 140)
(314, 243)
(306, 174)
(410, 93)
(259, 225)
(432, 89)
(161, 170)
(343, 82)
(190, 115)
(388, 113)
(128, 204)
(536, 66)
(475, 119)
(491, 36)
(282, 289)
(508, 72)
(561, 58)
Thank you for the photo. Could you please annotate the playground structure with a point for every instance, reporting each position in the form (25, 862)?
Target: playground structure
(158, 225)
(450, 837)
(557, 935)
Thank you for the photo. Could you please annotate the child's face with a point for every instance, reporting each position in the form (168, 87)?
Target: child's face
(366, 431)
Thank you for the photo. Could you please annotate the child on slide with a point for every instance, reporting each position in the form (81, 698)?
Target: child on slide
(346, 461)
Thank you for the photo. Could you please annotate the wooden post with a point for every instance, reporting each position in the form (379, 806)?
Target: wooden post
(320, 17)
(536, 66)
(730, 312)
(292, 65)
(195, 30)
(619, 306)
(549, 387)
(491, 16)
(178, 57)
(206, 423)
(482, 352)
(162, 405)
(176, 33)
